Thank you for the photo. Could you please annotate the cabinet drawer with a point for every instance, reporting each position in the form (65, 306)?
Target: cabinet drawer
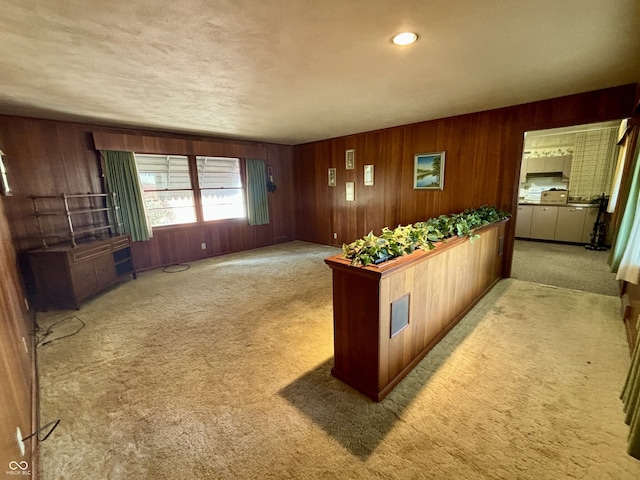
(121, 243)
(87, 253)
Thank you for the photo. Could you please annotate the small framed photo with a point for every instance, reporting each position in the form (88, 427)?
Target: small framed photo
(332, 177)
(428, 171)
(351, 191)
(350, 159)
(368, 175)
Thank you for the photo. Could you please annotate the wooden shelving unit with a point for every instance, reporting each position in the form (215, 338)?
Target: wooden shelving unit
(83, 250)
(99, 210)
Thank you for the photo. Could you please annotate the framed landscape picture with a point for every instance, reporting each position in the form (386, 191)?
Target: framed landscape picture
(428, 171)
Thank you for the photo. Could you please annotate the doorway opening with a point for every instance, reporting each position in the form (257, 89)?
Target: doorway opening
(565, 182)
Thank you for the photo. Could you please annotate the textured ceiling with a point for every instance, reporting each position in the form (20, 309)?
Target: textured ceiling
(301, 70)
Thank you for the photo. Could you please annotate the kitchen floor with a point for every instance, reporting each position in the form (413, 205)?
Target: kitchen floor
(562, 265)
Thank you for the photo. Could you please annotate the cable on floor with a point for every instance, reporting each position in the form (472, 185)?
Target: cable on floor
(177, 268)
(43, 340)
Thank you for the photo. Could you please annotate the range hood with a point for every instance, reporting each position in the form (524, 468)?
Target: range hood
(544, 174)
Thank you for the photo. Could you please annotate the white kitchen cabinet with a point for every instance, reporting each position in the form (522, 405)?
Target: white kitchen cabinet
(564, 223)
(554, 164)
(545, 164)
(536, 165)
(523, 221)
(570, 224)
(543, 222)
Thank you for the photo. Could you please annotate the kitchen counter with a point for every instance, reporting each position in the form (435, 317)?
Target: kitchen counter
(570, 204)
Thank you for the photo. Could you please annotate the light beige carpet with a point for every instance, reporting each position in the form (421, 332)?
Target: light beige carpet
(223, 372)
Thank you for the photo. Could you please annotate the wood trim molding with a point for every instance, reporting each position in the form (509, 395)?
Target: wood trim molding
(178, 146)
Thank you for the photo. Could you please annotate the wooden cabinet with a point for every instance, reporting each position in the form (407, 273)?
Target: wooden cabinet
(523, 221)
(64, 275)
(543, 222)
(570, 224)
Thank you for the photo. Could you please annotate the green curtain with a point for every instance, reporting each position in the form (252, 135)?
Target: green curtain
(122, 179)
(625, 260)
(258, 206)
(630, 216)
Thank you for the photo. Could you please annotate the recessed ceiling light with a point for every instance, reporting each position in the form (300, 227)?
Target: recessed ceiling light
(405, 38)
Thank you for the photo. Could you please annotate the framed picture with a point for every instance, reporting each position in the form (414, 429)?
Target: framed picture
(332, 177)
(350, 159)
(351, 191)
(368, 175)
(428, 171)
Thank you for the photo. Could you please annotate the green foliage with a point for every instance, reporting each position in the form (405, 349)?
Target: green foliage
(372, 249)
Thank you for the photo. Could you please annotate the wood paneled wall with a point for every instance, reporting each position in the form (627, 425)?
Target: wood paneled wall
(46, 157)
(482, 164)
(16, 372)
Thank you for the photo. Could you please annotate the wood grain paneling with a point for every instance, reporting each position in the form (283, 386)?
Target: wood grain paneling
(483, 154)
(17, 375)
(442, 285)
(47, 157)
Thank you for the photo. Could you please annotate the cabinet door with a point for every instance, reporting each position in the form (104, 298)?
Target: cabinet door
(105, 270)
(543, 223)
(84, 279)
(523, 221)
(570, 225)
(536, 165)
(553, 164)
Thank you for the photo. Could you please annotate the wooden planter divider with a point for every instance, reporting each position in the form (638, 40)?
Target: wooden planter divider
(387, 317)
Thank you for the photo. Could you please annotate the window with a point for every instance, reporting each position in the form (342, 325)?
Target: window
(166, 189)
(170, 198)
(220, 186)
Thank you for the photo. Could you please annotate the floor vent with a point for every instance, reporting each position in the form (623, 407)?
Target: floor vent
(282, 239)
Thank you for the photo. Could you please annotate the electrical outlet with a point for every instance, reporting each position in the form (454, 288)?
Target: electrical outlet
(335, 236)
(203, 246)
(24, 343)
